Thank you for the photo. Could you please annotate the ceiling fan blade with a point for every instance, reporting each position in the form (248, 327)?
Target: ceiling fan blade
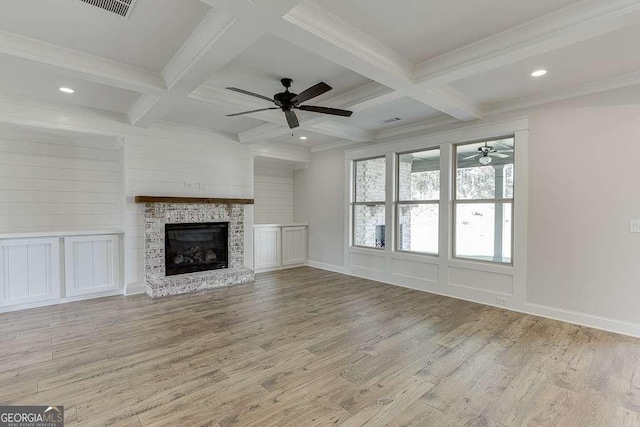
(255, 95)
(498, 155)
(292, 119)
(252, 111)
(470, 157)
(326, 110)
(312, 92)
(505, 151)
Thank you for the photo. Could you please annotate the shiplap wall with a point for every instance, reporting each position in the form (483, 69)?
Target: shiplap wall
(273, 193)
(188, 165)
(52, 182)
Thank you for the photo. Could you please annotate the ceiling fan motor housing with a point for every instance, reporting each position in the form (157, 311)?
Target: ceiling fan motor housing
(284, 98)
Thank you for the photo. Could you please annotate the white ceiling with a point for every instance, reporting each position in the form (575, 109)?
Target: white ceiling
(21, 77)
(407, 109)
(607, 56)
(370, 51)
(260, 67)
(422, 29)
(154, 31)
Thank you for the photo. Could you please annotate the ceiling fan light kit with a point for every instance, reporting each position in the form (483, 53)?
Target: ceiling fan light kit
(485, 154)
(289, 101)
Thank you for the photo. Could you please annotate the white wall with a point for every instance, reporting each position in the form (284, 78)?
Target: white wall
(57, 182)
(320, 203)
(584, 179)
(273, 193)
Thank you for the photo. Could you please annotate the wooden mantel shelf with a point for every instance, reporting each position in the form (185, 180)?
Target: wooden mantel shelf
(216, 201)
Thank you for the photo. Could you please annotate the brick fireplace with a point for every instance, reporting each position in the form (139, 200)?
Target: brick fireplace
(161, 212)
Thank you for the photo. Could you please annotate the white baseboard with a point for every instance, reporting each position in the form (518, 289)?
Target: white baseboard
(328, 267)
(582, 319)
(134, 289)
(57, 301)
(282, 267)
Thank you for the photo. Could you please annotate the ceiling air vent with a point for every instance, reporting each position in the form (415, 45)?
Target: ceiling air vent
(391, 120)
(119, 7)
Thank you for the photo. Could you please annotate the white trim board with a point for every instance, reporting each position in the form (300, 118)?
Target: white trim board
(57, 301)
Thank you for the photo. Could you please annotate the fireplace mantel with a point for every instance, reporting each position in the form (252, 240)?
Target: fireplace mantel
(192, 200)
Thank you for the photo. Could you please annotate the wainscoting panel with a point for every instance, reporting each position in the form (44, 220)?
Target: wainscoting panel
(267, 253)
(294, 245)
(481, 280)
(367, 261)
(415, 269)
(29, 270)
(91, 264)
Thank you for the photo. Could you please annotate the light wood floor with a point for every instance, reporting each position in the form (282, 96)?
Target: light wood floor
(306, 347)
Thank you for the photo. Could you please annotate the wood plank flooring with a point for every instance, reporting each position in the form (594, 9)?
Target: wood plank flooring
(306, 347)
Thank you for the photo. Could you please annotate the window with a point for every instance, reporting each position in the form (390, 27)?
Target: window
(368, 207)
(483, 201)
(418, 207)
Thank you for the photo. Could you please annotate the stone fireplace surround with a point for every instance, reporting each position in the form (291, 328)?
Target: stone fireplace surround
(177, 211)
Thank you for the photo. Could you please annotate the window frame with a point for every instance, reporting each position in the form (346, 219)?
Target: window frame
(355, 203)
(397, 202)
(455, 202)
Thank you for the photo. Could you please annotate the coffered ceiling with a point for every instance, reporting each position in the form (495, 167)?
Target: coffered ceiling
(426, 62)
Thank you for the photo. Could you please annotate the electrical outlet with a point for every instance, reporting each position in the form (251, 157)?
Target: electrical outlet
(634, 226)
(188, 185)
(501, 301)
(202, 186)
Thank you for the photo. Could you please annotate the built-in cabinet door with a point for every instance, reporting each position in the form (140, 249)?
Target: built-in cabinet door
(294, 245)
(91, 264)
(29, 270)
(266, 243)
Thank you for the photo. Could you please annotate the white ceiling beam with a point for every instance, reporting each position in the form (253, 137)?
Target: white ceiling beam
(318, 30)
(619, 82)
(79, 64)
(579, 22)
(229, 29)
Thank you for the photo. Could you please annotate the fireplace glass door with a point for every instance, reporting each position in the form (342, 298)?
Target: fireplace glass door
(190, 248)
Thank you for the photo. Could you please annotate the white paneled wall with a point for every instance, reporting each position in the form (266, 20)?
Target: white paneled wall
(189, 165)
(273, 193)
(53, 183)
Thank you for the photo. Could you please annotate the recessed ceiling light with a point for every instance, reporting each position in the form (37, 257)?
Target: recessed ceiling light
(538, 73)
(66, 90)
(303, 138)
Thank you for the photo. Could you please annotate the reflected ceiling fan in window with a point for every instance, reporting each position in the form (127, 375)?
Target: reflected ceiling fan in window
(486, 153)
(289, 101)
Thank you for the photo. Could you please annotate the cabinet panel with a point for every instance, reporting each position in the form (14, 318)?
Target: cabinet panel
(29, 270)
(91, 264)
(294, 245)
(266, 243)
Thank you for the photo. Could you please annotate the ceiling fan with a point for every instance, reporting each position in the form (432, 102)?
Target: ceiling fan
(288, 101)
(486, 153)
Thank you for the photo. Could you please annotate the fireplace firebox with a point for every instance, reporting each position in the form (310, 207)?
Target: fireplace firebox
(194, 247)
